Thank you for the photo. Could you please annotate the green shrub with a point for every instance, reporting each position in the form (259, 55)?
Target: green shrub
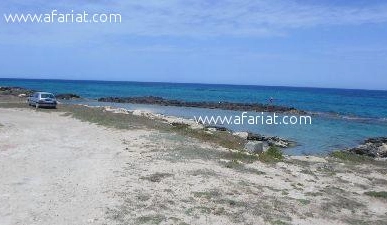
(273, 154)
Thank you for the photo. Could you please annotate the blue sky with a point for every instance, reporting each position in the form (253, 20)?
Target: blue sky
(341, 43)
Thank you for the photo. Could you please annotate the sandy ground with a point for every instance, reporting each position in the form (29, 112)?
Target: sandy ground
(58, 170)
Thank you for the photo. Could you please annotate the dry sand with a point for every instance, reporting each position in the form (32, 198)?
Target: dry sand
(58, 170)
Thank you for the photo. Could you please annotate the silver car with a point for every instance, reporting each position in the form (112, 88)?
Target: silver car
(42, 99)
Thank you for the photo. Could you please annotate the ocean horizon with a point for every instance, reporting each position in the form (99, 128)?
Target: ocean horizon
(192, 83)
(342, 118)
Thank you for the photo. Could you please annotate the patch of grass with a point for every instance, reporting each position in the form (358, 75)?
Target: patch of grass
(109, 119)
(297, 186)
(279, 222)
(143, 197)
(341, 180)
(377, 194)
(304, 201)
(233, 164)
(338, 200)
(361, 222)
(350, 157)
(129, 121)
(307, 171)
(198, 209)
(222, 138)
(254, 171)
(150, 219)
(376, 181)
(156, 177)
(211, 194)
(272, 155)
(204, 172)
(313, 194)
(240, 156)
(327, 169)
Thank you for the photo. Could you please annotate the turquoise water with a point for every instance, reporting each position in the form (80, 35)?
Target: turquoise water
(342, 118)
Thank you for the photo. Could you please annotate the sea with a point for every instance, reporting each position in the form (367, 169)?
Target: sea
(341, 118)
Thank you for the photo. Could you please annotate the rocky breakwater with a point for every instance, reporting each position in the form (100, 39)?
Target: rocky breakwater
(373, 147)
(152, 100)
(67, 96)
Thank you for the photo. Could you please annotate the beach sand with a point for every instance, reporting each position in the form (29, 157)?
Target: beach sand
(56, 169)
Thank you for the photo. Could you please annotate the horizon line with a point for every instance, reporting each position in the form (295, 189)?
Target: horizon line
(197, 83)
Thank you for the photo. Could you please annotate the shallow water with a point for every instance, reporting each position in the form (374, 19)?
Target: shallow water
(341, 118)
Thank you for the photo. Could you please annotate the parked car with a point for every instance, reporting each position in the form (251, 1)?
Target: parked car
(42, 99)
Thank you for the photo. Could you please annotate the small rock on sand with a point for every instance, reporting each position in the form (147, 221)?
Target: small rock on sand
(254, 146)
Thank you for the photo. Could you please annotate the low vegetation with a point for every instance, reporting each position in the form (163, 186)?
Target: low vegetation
(273, 154)
(377, 194)
(350, 157)
(222, 138)
(156, 177)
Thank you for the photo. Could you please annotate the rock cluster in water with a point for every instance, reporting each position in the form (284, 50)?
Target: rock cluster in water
(374, 147)
(257, 143)
(152, 100)
(67, 96)
(271, 141)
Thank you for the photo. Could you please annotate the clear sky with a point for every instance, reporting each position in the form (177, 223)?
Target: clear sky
(331, 43)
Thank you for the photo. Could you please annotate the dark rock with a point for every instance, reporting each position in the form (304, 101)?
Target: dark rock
(15, 91)
(279, 142)
(256, 137)
(217, 128)
(152, 100)
(378, 140)
(373, 147)
(67, 96)
(254, 147)
(271, 141)
(180, 125)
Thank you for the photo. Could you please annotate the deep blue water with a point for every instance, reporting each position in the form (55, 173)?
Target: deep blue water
(344, 117)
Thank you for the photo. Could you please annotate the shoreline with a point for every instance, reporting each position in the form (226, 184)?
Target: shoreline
(174, 176)
(377, 150)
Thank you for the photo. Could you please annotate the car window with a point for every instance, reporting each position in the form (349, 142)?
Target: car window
(47, 96)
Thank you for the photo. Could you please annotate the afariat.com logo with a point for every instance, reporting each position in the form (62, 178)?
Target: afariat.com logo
(56, 17)
(246, 119)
